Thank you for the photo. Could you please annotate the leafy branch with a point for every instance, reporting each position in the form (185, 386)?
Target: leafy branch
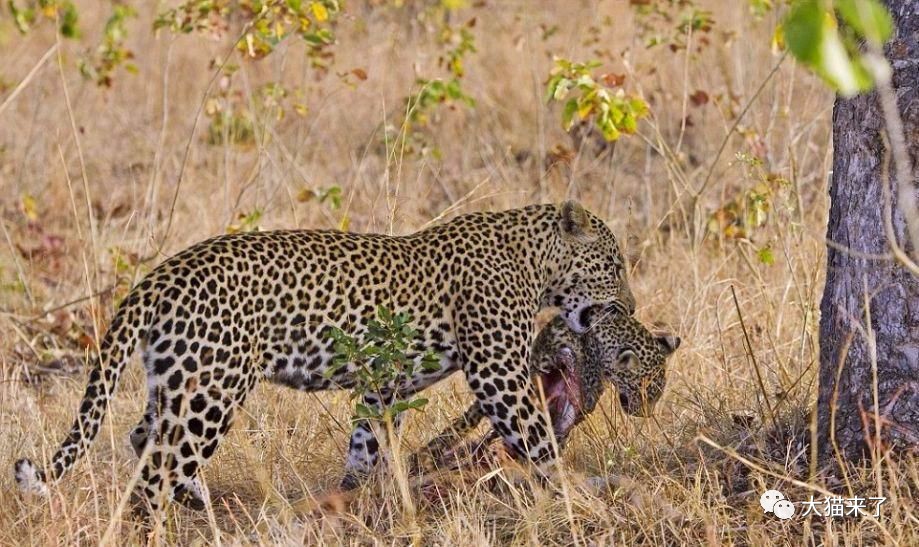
(383, 358)
(596, 98)
(273, 21)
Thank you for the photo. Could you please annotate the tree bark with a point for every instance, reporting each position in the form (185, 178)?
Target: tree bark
(866, 298)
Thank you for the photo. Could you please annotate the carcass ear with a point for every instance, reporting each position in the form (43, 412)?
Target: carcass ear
(669, 342)
(564, 357)
(627, 360)
(575, 223)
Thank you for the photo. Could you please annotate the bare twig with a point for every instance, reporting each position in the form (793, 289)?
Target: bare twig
(194, 128)
(904, 174)
(28, 79)
(740, 117)
(759, 377)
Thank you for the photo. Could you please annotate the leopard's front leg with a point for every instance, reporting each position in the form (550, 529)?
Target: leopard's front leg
(367, 441)
(495, 361)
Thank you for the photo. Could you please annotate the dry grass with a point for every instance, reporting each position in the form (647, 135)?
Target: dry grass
(103, 167)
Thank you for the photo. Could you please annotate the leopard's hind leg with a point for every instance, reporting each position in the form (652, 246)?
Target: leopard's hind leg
(190, 411)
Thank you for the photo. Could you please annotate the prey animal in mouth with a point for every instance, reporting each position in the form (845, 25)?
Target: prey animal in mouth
(573, 370)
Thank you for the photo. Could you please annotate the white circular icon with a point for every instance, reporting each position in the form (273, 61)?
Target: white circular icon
(784, 509)
(769, 499)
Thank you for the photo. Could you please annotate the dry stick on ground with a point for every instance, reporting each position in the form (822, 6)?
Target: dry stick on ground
(873, 352)
(685, 101)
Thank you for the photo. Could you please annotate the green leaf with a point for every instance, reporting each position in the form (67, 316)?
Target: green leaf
(22, 17)
(571, 108)
(398, 407)
(552, 86)
(417, 404)
(363, 411)
(561, 89)
(629, 124)
(430, 362)
(759, 8)
(766, 256)
(803, 29)
(869, 18)
(68, 19)
(610, 133)
(813, 37)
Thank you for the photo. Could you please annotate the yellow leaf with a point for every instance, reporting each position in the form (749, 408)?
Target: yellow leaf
(30, 207)
(319, 11)
(344, 224)
(778, 40)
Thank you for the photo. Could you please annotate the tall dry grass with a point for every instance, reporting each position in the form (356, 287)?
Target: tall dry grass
(104, 166)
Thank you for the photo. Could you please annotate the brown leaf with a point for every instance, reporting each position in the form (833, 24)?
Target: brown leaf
(85, 341)
(612, 80)
(559, 154)
(699, 98)
(306, 194)
(120, 210)
(359, 73)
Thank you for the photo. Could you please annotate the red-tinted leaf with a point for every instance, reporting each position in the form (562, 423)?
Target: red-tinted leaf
(699, 98)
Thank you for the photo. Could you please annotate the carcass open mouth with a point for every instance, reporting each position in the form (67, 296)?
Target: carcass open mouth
(562, 389)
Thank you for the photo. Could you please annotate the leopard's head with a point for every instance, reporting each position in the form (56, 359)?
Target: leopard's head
(590, 270)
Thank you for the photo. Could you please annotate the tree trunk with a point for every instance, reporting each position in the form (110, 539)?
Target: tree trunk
(858, 285)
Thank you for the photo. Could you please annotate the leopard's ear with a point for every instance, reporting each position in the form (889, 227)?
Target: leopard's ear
(564, 357)
(669, 342)
(575, 223)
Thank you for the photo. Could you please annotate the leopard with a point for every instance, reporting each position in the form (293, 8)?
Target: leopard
(224, 314)
(573, 370)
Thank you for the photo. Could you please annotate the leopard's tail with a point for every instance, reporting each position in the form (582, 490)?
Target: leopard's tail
(127, 329)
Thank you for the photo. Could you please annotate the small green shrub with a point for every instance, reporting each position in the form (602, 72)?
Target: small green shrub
(383, 356)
